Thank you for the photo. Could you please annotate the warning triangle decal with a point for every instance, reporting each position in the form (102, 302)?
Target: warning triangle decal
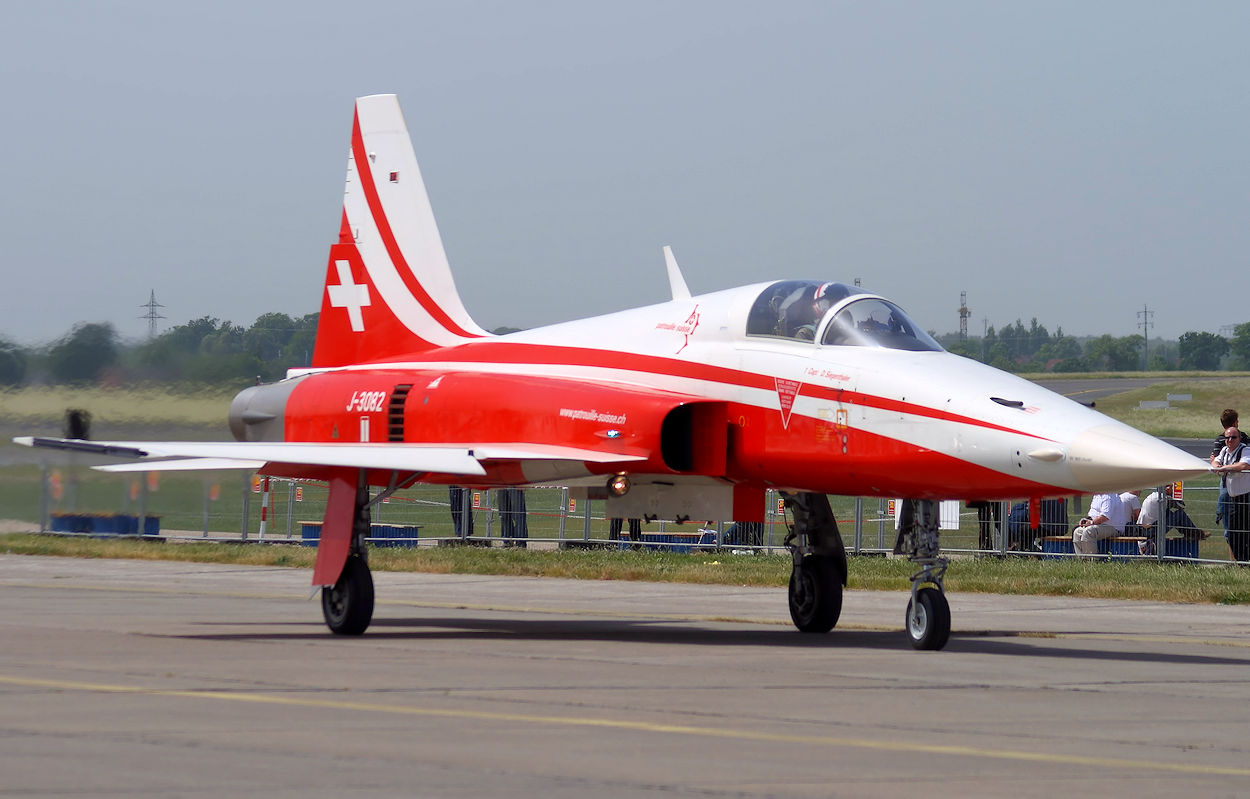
(787, 390)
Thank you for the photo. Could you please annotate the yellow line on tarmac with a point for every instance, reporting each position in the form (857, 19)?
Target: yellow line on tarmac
(641, 726)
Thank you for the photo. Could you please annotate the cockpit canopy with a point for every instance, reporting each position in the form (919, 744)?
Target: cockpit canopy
(803, 309)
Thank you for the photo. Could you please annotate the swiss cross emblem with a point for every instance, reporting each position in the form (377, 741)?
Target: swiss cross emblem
(787, 390)
(350, 295)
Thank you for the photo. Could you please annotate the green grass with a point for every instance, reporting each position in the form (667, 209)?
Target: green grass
(1195, 418)
(1170, 582)
(159, 405)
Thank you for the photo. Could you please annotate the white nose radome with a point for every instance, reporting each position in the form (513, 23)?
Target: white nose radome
(1116, 457)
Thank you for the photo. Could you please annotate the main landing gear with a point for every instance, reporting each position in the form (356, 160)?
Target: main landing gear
(928, 619)
(819, 570)
(348, 604)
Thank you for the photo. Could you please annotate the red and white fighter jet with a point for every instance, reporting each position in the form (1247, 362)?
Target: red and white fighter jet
(689, 409)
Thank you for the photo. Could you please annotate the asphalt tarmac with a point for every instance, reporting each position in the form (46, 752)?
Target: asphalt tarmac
(124, 678)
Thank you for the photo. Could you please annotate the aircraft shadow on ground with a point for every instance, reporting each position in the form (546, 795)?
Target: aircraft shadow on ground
(652, 631)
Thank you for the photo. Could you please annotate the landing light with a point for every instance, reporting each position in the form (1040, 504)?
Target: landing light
(618, 485)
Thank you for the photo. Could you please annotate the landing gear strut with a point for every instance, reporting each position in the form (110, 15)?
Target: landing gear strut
(819, 563)
(348, 604)
(928, 618)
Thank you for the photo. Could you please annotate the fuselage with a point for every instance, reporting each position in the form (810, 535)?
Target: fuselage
(760, 408)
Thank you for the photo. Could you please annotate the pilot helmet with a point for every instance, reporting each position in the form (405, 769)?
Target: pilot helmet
(829, 293)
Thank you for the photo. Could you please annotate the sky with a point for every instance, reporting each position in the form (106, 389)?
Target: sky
(1084, 163)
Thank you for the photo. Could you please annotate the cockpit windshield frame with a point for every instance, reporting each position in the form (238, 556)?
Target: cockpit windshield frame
(869, 320)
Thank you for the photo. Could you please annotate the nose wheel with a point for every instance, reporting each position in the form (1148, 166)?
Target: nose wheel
(928, 619)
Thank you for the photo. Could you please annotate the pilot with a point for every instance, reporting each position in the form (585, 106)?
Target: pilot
(803, 309)
(775, 303)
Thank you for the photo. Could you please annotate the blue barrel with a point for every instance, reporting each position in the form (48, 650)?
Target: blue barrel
(310, 533)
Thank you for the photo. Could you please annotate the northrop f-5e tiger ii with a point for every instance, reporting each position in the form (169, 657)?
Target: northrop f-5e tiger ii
(688, 409)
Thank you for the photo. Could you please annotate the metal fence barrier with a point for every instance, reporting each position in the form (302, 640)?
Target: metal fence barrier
(227, 507)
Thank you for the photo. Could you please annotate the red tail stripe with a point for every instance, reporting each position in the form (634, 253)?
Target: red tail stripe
(388, 237)
(345, 230)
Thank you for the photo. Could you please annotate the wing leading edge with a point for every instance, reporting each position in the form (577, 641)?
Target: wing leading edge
(205, 455)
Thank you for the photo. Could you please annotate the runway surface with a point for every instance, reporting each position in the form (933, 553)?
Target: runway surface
(124, 678)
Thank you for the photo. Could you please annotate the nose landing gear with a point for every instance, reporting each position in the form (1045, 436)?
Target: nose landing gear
(928, 619)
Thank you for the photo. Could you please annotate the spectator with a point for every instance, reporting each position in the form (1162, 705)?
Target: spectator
(1021, 537)
(988, 520)
(1106, 519)
(614, 529)
(744, 534)
(1175, 517)
(513, 525)
(1231, 464)
(1227, 419)
(1132, 506)
(458, 497)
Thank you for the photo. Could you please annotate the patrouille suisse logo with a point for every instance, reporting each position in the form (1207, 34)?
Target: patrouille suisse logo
(685, 328)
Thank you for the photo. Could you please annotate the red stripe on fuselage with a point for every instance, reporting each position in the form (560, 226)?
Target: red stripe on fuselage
(431, 307)
(515, 354)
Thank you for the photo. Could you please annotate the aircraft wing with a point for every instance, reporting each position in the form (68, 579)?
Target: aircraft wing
(203, 455)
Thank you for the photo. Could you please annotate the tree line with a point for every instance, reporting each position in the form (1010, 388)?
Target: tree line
(202, 351)
(1017, 348)
(210, 351)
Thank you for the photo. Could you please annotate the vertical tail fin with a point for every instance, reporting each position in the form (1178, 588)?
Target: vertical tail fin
(388, 288)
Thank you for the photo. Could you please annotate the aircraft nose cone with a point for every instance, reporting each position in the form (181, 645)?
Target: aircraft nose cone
(1116, 457)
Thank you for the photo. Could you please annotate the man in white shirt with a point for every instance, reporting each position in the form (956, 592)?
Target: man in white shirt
(1176, 517)
(1106, 519)
(1132, 505)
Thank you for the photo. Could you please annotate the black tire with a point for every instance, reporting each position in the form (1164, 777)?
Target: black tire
(348, 606)
(931, 628)
(815, 594)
